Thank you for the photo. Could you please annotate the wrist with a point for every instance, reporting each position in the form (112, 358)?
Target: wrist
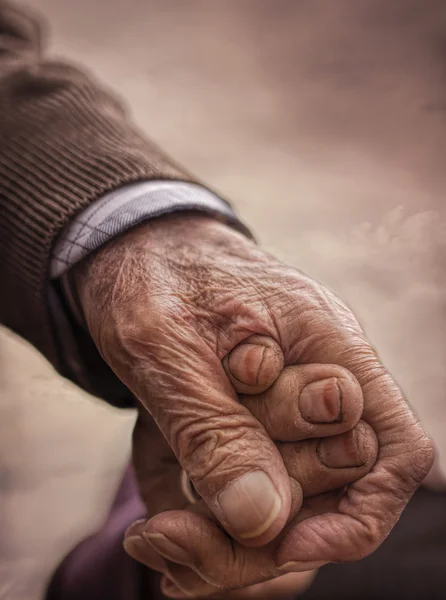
(181, 237)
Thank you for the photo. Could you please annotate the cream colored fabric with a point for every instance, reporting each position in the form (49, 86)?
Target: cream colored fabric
(62, 454)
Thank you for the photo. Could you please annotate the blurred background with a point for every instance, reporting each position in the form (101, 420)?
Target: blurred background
(324, 122)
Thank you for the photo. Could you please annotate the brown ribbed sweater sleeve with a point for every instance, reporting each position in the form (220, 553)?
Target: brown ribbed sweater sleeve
(64, 142)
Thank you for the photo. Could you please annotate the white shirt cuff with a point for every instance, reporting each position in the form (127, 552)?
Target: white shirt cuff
(130, 205)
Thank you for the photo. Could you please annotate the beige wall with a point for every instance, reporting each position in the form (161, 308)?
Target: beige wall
(325, 122)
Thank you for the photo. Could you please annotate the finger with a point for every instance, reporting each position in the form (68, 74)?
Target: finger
(374, 503)
(178, 581)
(254, 365)
(136, 546)
(185, 539)
(308, 401)
(191, 540)
(156, 467)
(159, 485)
(286, 586)
(182, 582)
(302, 461)
(158, 475)
(227, 454)
(318, 466)
(331, 463)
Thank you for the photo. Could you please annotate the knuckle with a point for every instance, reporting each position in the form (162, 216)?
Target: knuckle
(362, 360)
(412, 463)
(212, 447)
(372, 538)
(422, 458)
(347, 379)
(365, 540)
(123, 331)
(230, 571)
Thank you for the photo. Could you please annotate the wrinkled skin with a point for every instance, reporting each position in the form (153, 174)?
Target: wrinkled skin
(166, 304)
(316, 467)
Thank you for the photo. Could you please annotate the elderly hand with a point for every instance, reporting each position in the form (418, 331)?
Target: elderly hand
(315, 466)
(165, 304)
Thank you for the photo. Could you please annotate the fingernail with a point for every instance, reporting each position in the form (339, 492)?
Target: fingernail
(300, 566)
(136, 547)
(255, 364)
(250, 504)
(320, 401)
(245, 363)
(344, 451)
(136, 528)
(168, 549)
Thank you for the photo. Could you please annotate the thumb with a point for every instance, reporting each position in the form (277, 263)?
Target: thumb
(226, 452)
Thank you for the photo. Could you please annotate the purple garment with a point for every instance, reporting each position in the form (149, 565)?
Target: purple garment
(99, 568)
(409, 564)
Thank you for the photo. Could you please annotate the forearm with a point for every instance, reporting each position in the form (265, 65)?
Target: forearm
(64, 143)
